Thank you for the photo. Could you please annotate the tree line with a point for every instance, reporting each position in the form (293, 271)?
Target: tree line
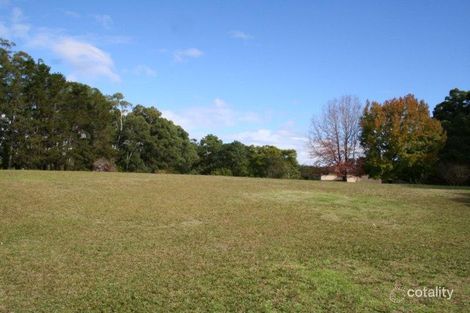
(397, 140)
(49, 123)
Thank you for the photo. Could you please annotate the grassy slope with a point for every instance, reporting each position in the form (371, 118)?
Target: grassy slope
(80, 241)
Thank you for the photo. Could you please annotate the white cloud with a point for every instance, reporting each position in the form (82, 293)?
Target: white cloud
(185, 54)
(4, 31)
(285, 138)
(16, 15)
(72, 14)
(19, 30)
(104, 20)
(180, 119)
(115, 39)
(237, 34)
(218, 114)
(85, 59)
(16, 28)
(144, 70)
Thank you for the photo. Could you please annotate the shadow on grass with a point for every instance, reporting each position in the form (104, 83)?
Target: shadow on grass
(460, 197)
(440, 187)
(463, 198)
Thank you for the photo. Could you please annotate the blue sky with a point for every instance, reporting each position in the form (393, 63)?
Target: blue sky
(255, 71)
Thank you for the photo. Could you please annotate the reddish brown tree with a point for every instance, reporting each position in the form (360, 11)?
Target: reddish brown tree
(334, 136)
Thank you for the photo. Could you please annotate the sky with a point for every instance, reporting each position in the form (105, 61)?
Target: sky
(253, 71)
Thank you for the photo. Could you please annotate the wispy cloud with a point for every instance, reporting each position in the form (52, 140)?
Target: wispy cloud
(16, 15)
(223, 119)
(104, 20)
(16, 27)
(218, 114)
(285, 137)
(85, 59)
(116, 39)
(71, 13)
(185, 54)
(237, 34)
(144, 70)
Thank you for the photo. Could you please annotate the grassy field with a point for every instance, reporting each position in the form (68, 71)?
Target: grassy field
(116, 242)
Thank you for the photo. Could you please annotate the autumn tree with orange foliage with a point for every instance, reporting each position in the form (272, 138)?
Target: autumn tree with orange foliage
(400, 139)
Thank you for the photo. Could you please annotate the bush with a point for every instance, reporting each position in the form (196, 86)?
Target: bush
(312, 172)
(166, 171)
(104, 165)
(222, 172)
(454, 174)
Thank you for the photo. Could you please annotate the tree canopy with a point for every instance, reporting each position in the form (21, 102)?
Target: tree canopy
(454, 115)
(237, 159)
(400, 139)
(47, 122)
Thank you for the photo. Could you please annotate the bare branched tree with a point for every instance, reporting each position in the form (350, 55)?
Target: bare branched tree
(334, 136)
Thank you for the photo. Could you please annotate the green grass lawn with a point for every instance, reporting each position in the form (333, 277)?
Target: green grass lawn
(117, 242)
